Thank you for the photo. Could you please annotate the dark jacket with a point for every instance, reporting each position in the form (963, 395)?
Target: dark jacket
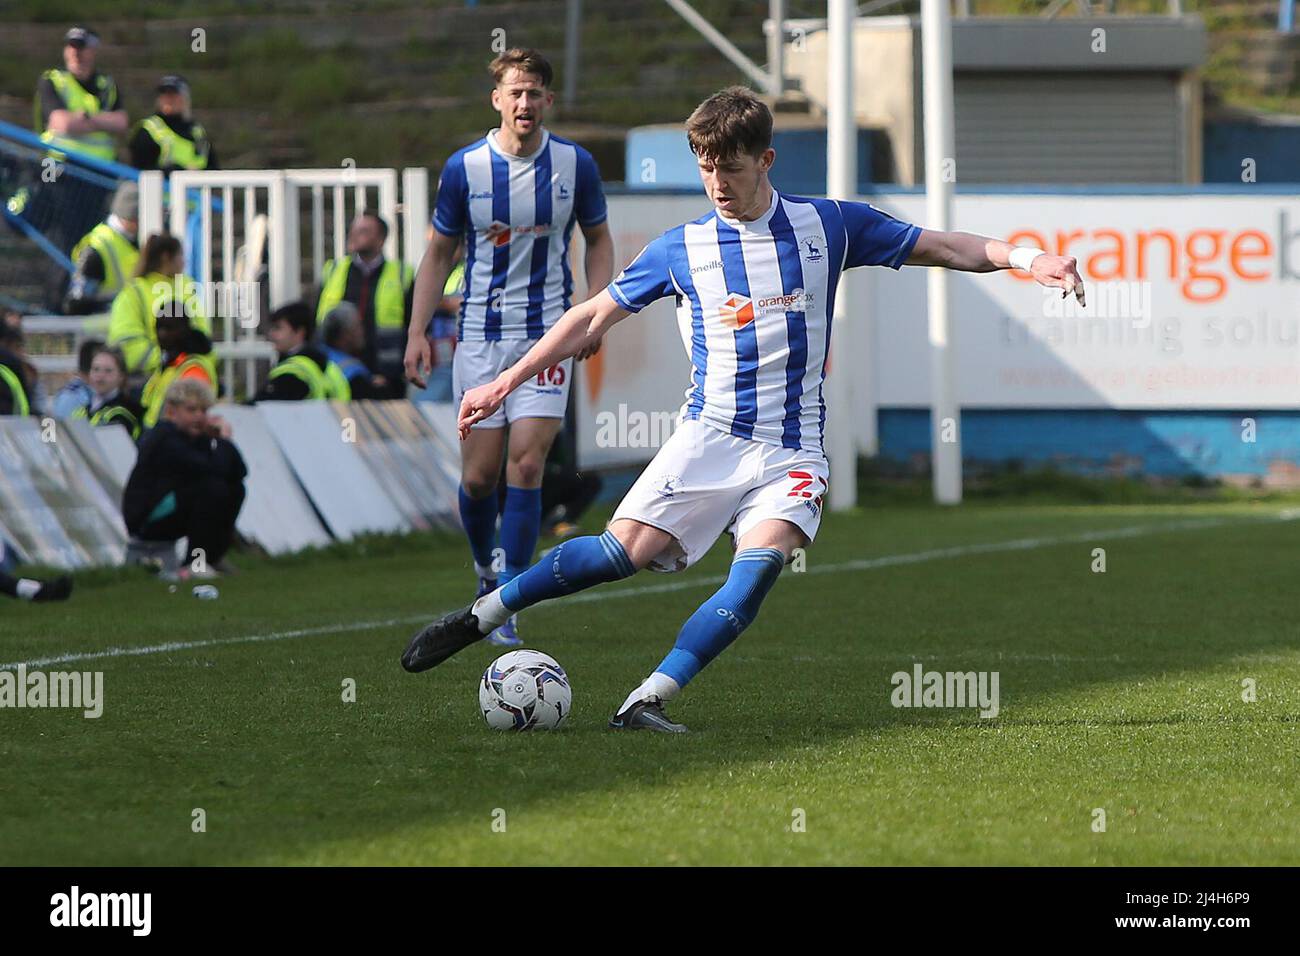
(169, 460)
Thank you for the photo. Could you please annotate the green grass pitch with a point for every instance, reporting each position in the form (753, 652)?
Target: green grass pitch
(1120, 691)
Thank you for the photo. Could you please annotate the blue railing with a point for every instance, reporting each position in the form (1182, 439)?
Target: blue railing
(104, 171)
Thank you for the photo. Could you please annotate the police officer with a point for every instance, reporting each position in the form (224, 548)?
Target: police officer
(381, 291)
(170, 139)
(77, 107)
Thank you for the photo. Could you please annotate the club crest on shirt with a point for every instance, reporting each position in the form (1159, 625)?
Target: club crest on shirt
(813, 248)
(562, 188)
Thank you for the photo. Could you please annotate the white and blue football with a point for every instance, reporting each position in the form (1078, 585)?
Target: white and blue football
(525, 690)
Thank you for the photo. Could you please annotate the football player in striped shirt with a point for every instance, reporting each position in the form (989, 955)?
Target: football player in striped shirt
(754, 282)
(514, 198)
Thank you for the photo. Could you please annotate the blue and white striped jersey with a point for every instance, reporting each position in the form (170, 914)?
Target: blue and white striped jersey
(754, 301)
(516, 214)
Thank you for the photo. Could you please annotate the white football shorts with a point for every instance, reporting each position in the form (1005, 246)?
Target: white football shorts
(546, 395)
(704, 481)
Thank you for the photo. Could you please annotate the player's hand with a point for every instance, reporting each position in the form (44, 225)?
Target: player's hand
(419, 360)
(587, 351)
(1059, 272)
(480, 403)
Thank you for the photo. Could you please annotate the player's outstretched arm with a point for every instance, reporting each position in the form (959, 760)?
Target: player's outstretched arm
(430, 278)
(583, 324)
(967, 252)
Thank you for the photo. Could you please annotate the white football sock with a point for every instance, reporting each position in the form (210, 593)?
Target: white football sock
(28, 589)
(491, 612)
(656, 685)
(485, 572)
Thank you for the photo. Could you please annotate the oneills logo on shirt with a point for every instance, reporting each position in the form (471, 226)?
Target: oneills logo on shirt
(737, 311)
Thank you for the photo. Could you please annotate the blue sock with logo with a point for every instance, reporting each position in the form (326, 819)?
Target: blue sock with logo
(721, 618)
(521, 523)
(478, 516)
(570, 566)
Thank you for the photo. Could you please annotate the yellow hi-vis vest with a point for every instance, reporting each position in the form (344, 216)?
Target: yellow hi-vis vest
(329, 382)
(174, 149)
(76, 99)
(111, 415)
(10, 378)
(133, 325)
(390, 292)
(118, 253)
(155, 390)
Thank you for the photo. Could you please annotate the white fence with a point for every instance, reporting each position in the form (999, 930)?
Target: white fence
(249, 217)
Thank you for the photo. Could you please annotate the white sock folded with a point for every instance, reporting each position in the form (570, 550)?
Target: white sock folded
(485, 572)
(491, 612)
(656, 685)
(28, 589)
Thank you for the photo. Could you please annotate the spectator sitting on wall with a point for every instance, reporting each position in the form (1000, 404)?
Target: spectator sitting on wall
(105, 258)
(344, 340)
(30, 589)
(76, 392)
(170, 139)
(304, 371)
(153, 292)
(186, 356)
(109, 404)
(15, 373)
(188, 480)
(381, 291)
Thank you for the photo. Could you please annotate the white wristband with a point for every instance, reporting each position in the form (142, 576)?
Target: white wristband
(1022, 256)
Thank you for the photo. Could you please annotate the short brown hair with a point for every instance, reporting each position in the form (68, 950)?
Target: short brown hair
(731, 122)
(525, 60)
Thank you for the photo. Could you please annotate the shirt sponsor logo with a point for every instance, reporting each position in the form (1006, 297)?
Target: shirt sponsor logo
(737, 310)
(499, 234)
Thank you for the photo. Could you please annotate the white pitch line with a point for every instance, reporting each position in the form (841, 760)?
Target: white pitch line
(858, 564)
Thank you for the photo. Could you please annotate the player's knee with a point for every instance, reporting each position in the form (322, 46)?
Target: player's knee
(526, 472)
(479, 485)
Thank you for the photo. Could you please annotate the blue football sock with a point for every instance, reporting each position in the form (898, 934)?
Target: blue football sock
(478, 516)
(521, 523)
(570, 566)
(721, 618)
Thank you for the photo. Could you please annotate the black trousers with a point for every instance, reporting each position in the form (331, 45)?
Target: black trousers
(205, 515)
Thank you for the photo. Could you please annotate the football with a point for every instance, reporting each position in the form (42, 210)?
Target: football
(525, 690)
